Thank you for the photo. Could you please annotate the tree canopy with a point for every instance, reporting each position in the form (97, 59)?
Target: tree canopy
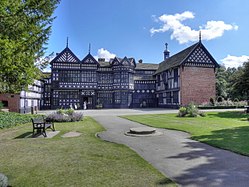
(25, 26)
(233, 83)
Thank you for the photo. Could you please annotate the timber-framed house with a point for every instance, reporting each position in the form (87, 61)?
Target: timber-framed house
(188, 76)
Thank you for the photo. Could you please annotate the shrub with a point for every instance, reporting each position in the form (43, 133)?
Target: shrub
(65, 115)
(192, 110)
(58, 117)
(60, 111)
(182, 112)
(69, 111)
(224, 104)
(77, 116)
(211, 100)
(3, 180)
(219, 99)
(1, 105)
(11, 119)
(236, 100)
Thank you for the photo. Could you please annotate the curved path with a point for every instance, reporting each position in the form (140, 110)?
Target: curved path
(185, 161)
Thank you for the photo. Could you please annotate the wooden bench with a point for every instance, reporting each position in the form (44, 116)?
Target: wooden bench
(41, 124)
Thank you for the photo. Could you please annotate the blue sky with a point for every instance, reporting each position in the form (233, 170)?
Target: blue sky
(140, 28)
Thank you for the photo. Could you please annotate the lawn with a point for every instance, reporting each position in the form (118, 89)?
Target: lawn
(78, 161)
(226, 130)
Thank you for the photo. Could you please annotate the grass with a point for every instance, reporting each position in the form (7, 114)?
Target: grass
(78, 161)
(226, 130)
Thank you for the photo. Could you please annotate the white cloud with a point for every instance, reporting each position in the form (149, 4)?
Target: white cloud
(234, 61)
(184, 34)
(103, 53)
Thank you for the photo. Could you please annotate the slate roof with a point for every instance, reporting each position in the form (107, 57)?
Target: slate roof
(176, 59)
(140, 78)
(179, 58)
(146, 66)
(104, 64)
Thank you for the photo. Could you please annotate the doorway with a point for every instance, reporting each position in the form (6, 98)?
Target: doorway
(88, 101)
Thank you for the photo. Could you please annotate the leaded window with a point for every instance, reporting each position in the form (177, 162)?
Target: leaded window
(116, 78)
(105, 97)
(124, 77)
(168, 97)
(69, 76)
(105, 78)
(117, 97)
(175, 97)
(89, 76)
(175, 75)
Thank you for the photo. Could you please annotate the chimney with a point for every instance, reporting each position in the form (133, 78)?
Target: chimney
(166, 52)
(101, 59)
(140, 61)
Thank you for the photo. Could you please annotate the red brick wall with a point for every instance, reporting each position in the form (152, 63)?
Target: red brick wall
(13, 101)
(197, 85)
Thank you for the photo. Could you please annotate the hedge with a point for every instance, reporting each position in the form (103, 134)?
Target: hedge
(219, 107)
(11, 119)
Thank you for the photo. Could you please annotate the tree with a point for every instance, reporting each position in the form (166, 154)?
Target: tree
(221, 82)
(25, 26)
(241, 81)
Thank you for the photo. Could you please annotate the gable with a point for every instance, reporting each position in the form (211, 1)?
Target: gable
(195, 55)
(89, 59)
(200, 57)
(125, 62)
(66, 56)
(116, 61)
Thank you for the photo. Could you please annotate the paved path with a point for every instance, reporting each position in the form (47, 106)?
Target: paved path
(187, 162)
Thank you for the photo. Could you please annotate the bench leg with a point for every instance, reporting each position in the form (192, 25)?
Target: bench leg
(53, 127)
(44, 132)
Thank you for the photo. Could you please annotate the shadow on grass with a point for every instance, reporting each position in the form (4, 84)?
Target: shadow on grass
(28, 135)
(209, 166)
(234, 139)
(230, 114)
(24, 135)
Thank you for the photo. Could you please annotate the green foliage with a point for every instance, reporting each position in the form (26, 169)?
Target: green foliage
(182, 112)
(233, 83)
(211, 100)
(69, 111)
(60, 111)
(3, 180)
(192, 110)
(219, 99)
(25, 28)
(224, 104)
(1, 105)
(11, 119)
(241, 84)
(221, 82)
